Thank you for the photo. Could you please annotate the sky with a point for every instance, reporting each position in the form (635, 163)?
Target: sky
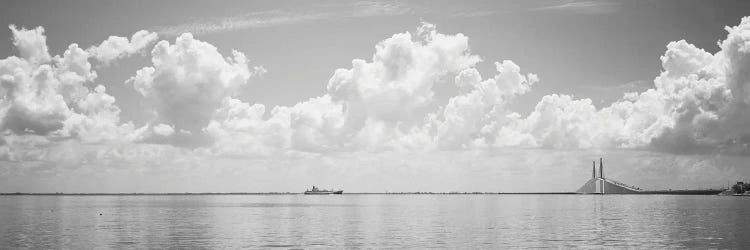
(372, 96)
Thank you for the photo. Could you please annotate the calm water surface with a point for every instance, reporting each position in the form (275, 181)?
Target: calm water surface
(374, 221)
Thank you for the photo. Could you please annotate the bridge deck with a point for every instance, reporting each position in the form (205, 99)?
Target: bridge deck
(601, 185)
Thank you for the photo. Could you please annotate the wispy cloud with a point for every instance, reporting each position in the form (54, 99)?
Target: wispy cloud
(374, 8)
(474, 13)
(261, 19)
(632, 86)
(362, 9)
(583, 7)
(249, 20)
(586, 7)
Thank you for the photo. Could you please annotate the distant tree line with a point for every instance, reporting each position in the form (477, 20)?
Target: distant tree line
(741, 187)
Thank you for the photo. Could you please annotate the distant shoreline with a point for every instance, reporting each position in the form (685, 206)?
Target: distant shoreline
(672, 192)
(271, 193)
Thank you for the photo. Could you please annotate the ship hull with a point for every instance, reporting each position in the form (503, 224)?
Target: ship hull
(318, 192)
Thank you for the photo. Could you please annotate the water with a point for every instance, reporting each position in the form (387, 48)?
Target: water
(374, 221)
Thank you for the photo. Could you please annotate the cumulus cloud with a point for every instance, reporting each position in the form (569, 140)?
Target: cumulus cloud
(386, 104)
(118, 47)
(55, 118)
(469, 119)
(381, 104)
(314, 125)
(699, 104)
(162, 129)
(31, 44)
(96, 119)
(373, 105)
(388, 99)
(400, 79)
(50, 96)
(187, 83)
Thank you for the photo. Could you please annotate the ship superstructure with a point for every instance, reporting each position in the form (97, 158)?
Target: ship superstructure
(316, 190)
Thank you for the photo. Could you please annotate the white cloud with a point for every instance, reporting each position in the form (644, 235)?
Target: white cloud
(187, 83)
(382, 111)
(249, 20)
(584, 7)
(386, 104)
(118, 47)
(374, 105)
(470, 118)
(49, 96)
(32, 44)
(313, 125)
(699, 104)
(32, 104)
(270, 18)
(162, 129)
(399, 81)
(97, 119)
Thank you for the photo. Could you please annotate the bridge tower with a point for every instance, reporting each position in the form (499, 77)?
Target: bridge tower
(601, 174)
(600, 185)
(593, 170)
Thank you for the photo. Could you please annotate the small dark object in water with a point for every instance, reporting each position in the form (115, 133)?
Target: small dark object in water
(316, 190)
